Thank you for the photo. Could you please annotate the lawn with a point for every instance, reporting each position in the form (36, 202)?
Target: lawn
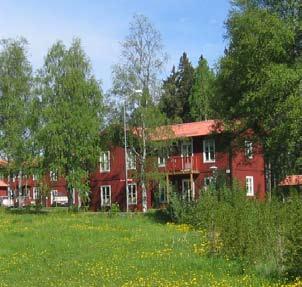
(87, 249)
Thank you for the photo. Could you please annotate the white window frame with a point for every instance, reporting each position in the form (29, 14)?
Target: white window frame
(249, 185)
(161, 160)
(162, 190)
(207, 145)
(35, 177)
(210, 179)
(131, 160)
(36, 192)
(105, 161)
(104, 189)
(53, 194)
(184, 148)
(53, 175)
(248, 145)
(132, 193)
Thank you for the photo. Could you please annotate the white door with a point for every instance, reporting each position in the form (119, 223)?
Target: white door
(187, 191)
(186, 154)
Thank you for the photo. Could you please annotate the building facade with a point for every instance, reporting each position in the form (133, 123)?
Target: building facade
(201, 154)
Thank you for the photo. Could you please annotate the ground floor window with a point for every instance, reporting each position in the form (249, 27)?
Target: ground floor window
(249, 183)
(208, 181)
(36, 192)
(132, 193)
(105, 195)
(163, 196)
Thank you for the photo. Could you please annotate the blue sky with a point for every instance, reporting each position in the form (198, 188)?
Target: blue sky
(194, 26)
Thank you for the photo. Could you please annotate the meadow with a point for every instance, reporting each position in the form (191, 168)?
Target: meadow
(94, 249)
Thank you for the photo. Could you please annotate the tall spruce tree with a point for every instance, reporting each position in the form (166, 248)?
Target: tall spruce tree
(71, 101)
(202, 91)
(177, 90)
(168, 102)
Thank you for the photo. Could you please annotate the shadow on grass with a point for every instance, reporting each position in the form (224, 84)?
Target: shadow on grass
(25, 210)
(158, 216)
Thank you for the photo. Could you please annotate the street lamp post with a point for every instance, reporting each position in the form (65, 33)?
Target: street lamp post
(125, 148)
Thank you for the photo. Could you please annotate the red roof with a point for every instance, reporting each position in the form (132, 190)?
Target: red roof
(188, 130)
(291, 180)
(3, 184)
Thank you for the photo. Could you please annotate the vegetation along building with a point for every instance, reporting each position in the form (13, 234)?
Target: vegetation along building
(200, 154)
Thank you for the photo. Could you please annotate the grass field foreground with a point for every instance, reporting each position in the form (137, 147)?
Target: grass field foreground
(86, 249)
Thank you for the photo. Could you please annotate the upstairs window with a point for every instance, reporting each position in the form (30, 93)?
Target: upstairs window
(131, 160)
(106, 195)
(249, 183)
(248, 149)
(209, 150)
(105, 161)
(53, 176)
(132, 193)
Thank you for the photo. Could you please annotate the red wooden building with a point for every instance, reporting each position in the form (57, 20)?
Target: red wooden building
(202, 153)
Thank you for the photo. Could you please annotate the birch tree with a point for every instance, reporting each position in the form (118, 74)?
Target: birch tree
(71, 102)
(142, 59)
(15, 90)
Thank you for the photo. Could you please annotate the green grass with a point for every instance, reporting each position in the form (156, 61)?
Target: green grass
(86, 249)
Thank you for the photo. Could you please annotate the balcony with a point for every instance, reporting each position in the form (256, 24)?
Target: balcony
(182, 165)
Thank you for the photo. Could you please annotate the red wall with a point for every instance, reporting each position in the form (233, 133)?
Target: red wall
(242, 167)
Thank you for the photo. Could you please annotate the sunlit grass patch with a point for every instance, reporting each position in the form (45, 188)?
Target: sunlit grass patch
(86, 249)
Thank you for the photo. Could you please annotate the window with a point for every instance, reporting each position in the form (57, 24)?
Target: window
(105, 195)
(131, 160)
(248, 149)
(35, 177)
(209, 180)
(161, 161)
(105, 161)
(249, 182)
(132, 193)
(53, 175)
(36, 192)
(209, 150)
(162, 194)
(53, 195)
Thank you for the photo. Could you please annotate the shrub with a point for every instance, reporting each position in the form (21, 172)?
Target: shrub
(263, 234)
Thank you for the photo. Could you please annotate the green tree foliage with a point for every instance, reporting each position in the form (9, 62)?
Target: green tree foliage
(71, 101)
(258, 83)
(15, 91)
(177, 90)
(202, 92)
(169, 103)
(135, 80)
